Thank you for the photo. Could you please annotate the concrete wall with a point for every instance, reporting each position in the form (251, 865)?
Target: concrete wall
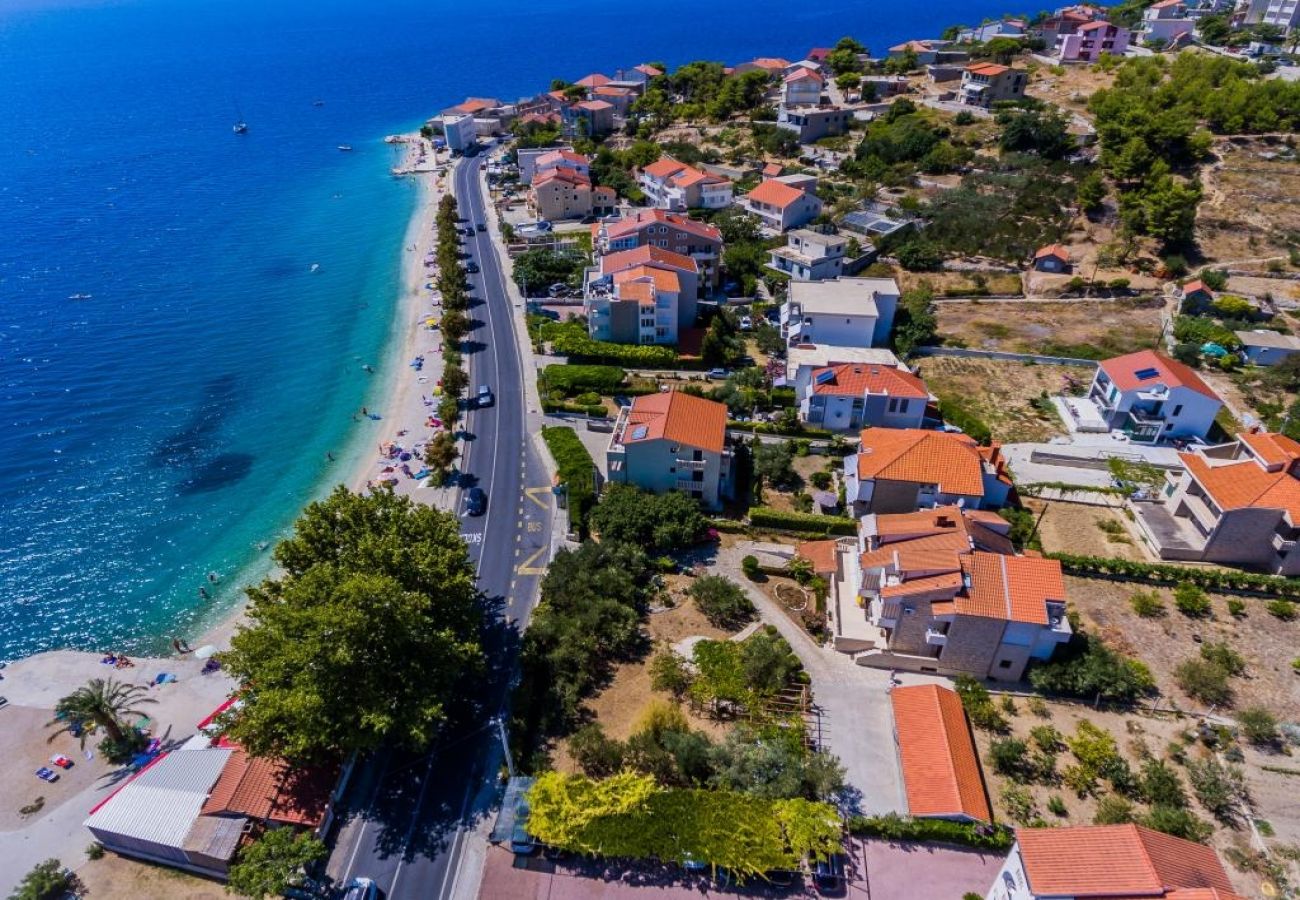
(973, 645)
(894, 496)
(1244, 537)
(839, 331)
(963, 353)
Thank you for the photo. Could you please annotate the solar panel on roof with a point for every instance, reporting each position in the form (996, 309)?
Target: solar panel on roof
(1144, 374)
(639, 432)
(824, 377)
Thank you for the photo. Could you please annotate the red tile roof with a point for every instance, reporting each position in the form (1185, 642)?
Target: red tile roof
(822, 555)
(1246, 485)
(857, 379)
(1014, 588)
(640, 291)
(662, 279)
(775, 193)
(1093, 26)
(1273, 449)
(271, 789)
(990, 69)
(643, 255)
(568, 176)
(952, 461)
(595, 105)
(1196, 286)
(1117, 861)
(771, 170)
(819, 54)
(594, 80)
(1123, 371)
(1056, 250)
(941, 773)
(771, 63)
(802, 73)
(646, 69)
(680, 418)
(644, 218)
(555, 157)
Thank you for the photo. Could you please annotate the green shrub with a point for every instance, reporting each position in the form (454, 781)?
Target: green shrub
(49, 880)
(820, 480)
(1220, 654)
(1057, 806)
(1179, 822)
(722, 601)
(978, 704)
(1113, 810)
(1220, 789)
(1019, 804)
(1147, 604)
(669, 673)
(1047, 738)
(953, 412)
(576, 469)
(575, 379)
(749, 565)
(1258, 726)
(95, 850)
(1166, 573)
(780, 520)
(1204, 681)
(1191, 600)
(1038, 706)
(1282, 609)
(1089, 669)
(893, 827)
(1236, 608)
(1009, 757)
(1160, 785)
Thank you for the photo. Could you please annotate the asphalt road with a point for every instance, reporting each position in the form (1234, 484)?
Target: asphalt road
(405, 816)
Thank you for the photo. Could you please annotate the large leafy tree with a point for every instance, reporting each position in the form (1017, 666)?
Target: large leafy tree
(49, 880)
(104, 702)
(273, 862)
(366, 638)
(657, 522)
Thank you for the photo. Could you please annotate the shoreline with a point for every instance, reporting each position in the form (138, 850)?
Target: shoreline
(396, 394)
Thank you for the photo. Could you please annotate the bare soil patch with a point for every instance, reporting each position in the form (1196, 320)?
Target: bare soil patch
(1249, 206)
(1001, 393)
(961, 284)
(1079, 528)
(1065, 329)
(1267, 643)
(1070, 89)
(118, 878)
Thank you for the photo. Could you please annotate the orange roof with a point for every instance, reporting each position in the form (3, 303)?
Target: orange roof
(271, 789)
(644, 218)
(1195, 286)
(822, 554)
(1246, 485)
(775, 193)
(475, 104)
(801, 73)
(990, 69)
(594, 80)
(771, 170)
(569, 176)
(1271, 448)
(771, 63)
(647, 69)
(1154, 369)
(640, 291)
(952, 461)
(678, 417)
(941, 773)
(857, 379)
(664, 167)
(1117, 861)
(609, 90)
(595, 105)
(1052, 250)
(1093, 26)
(1015, 588)
(662, 279)
(555, 157)
(646, 254)
(917, 46)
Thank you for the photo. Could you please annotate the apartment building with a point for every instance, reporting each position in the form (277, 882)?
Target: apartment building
(639, 305)
(667, 231)
(562, 193)
(809, 255)
(1149, 397)
(673, 441)
(812, 123)
(843, 312)
(984, 84)
(782, 206)
(676, 186)
(1092, 41)
(848, 397)
(899, 470)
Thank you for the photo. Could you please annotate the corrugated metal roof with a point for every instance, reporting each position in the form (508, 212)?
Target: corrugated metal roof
(162, 803)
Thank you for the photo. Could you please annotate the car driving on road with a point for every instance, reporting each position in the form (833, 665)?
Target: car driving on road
(475, 501)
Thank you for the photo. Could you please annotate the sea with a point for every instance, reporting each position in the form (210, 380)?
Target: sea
(186, 313)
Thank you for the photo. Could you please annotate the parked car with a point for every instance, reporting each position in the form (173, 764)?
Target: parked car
(61, 761)
(559, 289)
(361, 889)
(521, 842)
(472, 268)
(717, 373)
(475, 501)
(746, 323)
(480, 227)
(44, 773)
(483, 397)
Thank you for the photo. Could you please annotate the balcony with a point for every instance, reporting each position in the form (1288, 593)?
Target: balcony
(1143, 428)
(936, 638)
(691, 465)
(1282, 545)
(687, 485)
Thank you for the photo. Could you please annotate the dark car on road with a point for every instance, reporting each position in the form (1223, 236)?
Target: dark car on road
(480, 227)
(472, 268)
(475, 501)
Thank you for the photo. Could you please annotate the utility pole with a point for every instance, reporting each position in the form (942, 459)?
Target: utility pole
(505, 745)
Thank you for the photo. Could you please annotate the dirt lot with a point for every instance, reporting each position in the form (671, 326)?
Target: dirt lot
(1078, 528)
(1249, 204)
(959, 284)
(1112, 327)
(1000, 392)
(1267, 643)
(1136, 736)
(1071, 89)
(117, 878)
(619, 706)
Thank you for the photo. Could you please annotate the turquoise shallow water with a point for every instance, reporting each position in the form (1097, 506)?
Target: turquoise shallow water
(179, 418)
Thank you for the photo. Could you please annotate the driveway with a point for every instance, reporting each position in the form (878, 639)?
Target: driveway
(856, 718)
(877, 870)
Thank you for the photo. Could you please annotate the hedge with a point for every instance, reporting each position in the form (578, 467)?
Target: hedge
(1166, 573)
(576, 468)
(574, 379)
(773, 428)
(896, 828)
(571, 339)
(972, 425)
(766, 517)
(597, 410)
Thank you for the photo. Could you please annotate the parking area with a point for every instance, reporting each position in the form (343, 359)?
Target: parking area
(877, 870)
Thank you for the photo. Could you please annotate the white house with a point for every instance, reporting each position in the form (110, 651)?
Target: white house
(669, 184)
(844, 312)
(1151, 398)
(1166, 21)
(1262, 347)
(802, 87)
(782, 206)
(673, 441)
(460, 131)
(989, 30)
(1107, 862)
(850, 396)
(810, 255)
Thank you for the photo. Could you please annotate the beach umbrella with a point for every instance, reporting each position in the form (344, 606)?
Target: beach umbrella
(205, 651)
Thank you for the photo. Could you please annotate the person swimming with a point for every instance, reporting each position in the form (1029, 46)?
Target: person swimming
(329, 455)
(203, 592)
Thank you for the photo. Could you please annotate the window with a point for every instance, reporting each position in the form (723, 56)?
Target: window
(893, 404)
(1177, 410)
(1004, 664)
(902, 406)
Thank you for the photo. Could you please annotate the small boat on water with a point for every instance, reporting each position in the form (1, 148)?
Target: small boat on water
(318, 103)
(241, 127)
(315, 267)
(345, 147)
(80, 296)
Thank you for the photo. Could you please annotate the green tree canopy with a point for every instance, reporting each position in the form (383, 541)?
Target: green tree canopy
(656, 522)
(273, 862)
(367, 637)
(49, 880)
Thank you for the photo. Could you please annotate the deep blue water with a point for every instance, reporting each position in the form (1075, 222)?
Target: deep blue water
(180, 417)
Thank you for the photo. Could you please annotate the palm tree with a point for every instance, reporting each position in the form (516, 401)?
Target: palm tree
(103, 701)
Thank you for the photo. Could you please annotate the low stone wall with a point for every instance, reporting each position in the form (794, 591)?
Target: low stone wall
(1003, 356)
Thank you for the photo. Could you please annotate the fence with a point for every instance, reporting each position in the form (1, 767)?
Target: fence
(1003, 356)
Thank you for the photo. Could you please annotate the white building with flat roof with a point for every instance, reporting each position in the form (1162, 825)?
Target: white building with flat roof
(460, 131)
(844, 312)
